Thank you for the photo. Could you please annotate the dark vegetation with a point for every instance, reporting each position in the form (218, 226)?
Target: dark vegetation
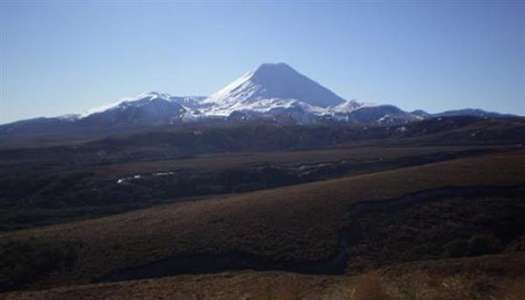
(25, 261)
(321, 199)
(184, 141)
(433, 224)
(48, 185)
(299, 225)
(446, 223)
(40, 197)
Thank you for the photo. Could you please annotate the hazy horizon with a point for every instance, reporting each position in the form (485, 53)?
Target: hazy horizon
(60, 57)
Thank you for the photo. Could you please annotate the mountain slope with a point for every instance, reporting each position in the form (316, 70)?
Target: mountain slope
(271, 85)
(381, 115)
(470, 112)
(146, 109)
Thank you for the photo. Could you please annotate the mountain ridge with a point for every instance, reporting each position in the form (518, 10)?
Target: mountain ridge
(272, 93)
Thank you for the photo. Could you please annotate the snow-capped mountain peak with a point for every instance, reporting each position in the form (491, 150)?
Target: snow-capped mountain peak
(269, 91)
(267, 86)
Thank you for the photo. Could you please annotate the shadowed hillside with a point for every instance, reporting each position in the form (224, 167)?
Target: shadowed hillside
(286, 227)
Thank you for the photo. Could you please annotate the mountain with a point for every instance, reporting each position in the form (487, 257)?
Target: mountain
(36, 126)
(381, 115)
(421, 114)
(271, 86)
(470, 112)
(271, 93)
(147, 109)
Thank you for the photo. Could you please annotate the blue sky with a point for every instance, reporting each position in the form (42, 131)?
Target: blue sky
(60, 57)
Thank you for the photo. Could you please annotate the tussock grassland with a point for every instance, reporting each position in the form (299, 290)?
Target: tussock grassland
(214, 162)
(45, 192)
(292, 223)
(500, 277)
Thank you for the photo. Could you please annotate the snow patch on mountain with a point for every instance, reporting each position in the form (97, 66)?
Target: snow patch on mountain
(127, 101)
(69, 117)
(347, 106)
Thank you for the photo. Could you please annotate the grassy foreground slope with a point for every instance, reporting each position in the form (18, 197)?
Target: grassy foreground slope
(297, 223)
(487, 277)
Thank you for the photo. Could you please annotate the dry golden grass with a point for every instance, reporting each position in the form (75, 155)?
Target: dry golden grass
(240, 285)
(414, 281)
(514, 290)
(484, 277)
(298, 222)
(491, 277)
(370, 287)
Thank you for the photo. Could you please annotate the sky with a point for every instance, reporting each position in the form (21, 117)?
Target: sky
(60, 57)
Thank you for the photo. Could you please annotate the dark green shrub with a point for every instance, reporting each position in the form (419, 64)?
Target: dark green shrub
(456, 248)
(23, 261)
(483, 244)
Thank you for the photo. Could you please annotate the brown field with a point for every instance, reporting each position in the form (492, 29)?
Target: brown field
(499, 277)
(298, 223)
